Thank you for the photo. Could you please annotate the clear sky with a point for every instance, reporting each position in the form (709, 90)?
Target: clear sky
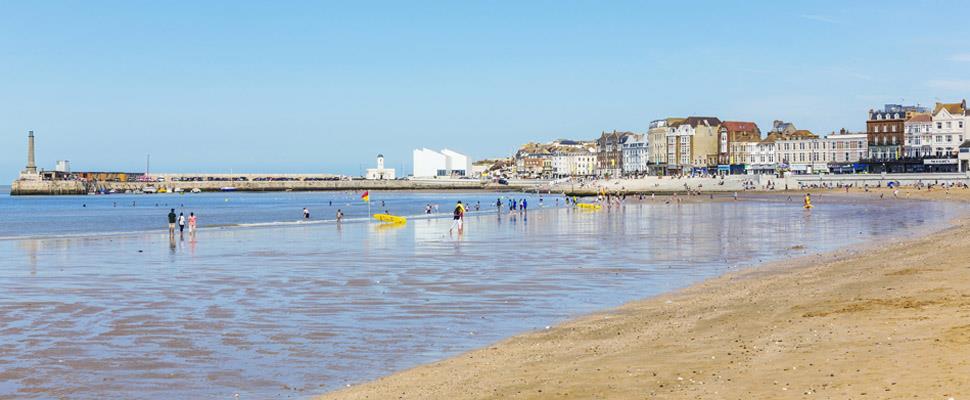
(324, 87)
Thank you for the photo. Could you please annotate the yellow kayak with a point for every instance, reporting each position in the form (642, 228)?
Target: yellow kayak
(393, 219)
(589, 206)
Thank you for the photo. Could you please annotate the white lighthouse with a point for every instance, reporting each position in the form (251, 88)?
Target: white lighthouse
(380, 173)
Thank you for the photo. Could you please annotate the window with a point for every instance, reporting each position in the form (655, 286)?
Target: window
(939, 125)
(894, 128)
(949, 138)
(949, 124)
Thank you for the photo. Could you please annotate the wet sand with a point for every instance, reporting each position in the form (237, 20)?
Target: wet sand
(884, 320)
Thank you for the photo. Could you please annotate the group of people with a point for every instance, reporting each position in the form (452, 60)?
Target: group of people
(514, 205)
(182, 222)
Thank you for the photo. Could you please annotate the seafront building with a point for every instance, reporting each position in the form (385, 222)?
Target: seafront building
(380, 173)
(885, 130)
(949, 128)
(657, 135)
(692, 145)
(446, 163)
(609, 155)
(557, 159)
(917, 136)
(574, 158)
(736, 143)
(635, 155)
(802, 152)
(845, 151)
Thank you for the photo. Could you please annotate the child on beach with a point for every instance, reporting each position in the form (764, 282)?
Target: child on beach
(459, 217)
(181, 223)
(192, 221)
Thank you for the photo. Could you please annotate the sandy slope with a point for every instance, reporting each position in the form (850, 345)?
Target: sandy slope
(882, 322)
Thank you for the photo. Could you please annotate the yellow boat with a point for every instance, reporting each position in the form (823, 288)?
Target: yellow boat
(392, 219)
(588, 206)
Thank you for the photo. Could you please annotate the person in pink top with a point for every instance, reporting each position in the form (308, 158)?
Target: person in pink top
(191, 223)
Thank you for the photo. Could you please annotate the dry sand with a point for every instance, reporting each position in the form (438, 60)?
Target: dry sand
(884, 321)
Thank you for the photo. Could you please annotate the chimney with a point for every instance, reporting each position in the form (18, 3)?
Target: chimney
(31, 166)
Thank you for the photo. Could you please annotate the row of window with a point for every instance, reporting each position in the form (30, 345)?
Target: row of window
(917, 140)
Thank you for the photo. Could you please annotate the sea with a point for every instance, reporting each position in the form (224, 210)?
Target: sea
(98, 301)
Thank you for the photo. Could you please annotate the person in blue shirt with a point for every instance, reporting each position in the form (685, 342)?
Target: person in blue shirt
(525, 205)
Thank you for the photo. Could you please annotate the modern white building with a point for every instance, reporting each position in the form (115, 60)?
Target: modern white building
(380, 173)
(446, 163)
(456, 163)
(636, 154)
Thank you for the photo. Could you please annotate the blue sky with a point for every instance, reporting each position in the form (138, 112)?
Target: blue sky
(324, 87)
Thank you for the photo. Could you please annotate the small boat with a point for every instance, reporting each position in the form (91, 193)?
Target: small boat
(589, 206)
(113, 191)
(196, 190)
(162, 190)
(149, 189)
(391, 219)
(228, 188)
(178, 190)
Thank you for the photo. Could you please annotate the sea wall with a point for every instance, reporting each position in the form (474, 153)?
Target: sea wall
(734, 183)
(77, 187)
(40, 187)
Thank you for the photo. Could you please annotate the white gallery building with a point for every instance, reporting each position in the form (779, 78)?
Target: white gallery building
(445, 163)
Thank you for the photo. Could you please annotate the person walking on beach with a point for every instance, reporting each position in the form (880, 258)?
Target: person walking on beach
(459, 218)
(525, 205)
(192, 222)
(340, 215)
(171, 223)
(306, 213)
(181, 224)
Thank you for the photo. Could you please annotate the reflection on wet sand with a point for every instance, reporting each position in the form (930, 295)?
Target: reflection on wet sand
(300, 310)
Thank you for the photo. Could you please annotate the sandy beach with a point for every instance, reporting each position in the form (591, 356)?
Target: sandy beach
(881, 320)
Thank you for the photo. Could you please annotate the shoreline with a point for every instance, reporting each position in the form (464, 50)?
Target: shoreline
(844, 324)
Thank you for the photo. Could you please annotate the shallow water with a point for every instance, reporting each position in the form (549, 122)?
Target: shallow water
(292, 311)
(60, 216)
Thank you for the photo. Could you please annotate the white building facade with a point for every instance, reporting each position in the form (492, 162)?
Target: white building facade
(635, 155)
(948, 129)
(446, 163)
(918, 136)
(577, 161)
(804, 155)
(428, 163)
(846, 148)
(380, 173)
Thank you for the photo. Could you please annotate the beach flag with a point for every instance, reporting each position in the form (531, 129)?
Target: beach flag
(365, 197)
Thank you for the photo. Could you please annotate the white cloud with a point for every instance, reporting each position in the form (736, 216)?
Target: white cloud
(950, 84)
(820, 18)
(962, 57)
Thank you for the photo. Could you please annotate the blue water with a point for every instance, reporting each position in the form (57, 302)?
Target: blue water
(289, 311)
(32, 216)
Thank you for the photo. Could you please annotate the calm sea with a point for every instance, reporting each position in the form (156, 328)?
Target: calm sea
(289, 311)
